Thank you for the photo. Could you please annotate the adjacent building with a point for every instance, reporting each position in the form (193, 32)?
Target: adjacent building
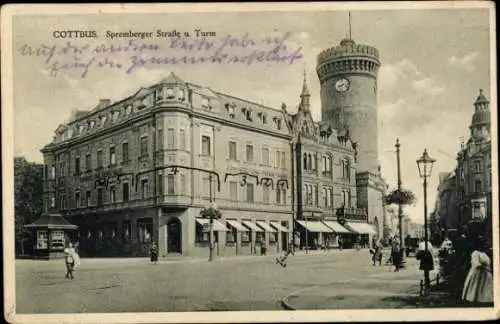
(465, 195)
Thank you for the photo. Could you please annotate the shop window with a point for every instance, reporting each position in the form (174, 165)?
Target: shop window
(57, 240)
(145, 230)
(201, 235)
(273, 237)
(42, 240)
(230, 234)
(259, 237)
(126, 230)
(245, 237)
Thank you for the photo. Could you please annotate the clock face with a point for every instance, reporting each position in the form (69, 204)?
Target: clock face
(342, 85)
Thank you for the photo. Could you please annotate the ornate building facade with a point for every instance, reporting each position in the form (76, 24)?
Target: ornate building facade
(465, 195)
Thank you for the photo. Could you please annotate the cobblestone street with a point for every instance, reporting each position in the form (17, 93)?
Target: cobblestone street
(331, 279)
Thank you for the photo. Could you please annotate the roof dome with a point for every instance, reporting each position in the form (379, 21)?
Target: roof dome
(481, 117)
(481, 98)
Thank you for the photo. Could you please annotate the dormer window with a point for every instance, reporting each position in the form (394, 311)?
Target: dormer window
(80, 129)
(159, 94)
(103, 120)
(69, 133)
(181, 96)
(278, 122)
(170, 93)
(128, 110)
(115, 115)
(248, 114)
(205, 103)
(264, 118)
(230, 110)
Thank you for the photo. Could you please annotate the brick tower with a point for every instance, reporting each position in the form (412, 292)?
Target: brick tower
(348, 77)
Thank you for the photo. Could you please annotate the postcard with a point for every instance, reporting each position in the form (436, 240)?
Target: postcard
(258, 162)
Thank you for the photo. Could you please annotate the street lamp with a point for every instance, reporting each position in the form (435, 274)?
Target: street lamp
(211, 212)
(425, 164)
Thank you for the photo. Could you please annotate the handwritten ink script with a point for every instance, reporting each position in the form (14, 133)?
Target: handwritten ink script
(129, 56)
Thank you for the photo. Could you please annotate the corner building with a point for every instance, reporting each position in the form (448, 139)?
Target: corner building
(140, 171)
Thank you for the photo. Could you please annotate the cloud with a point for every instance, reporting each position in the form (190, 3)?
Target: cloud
(427, 86)
(466, 62)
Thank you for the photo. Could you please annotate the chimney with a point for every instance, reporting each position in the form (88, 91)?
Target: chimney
(103, 103)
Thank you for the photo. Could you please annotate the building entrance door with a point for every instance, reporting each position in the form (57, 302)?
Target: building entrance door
(284, 241)
(174, 237)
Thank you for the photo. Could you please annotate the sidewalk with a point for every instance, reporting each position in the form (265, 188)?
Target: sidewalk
(182, 259)
(385, 289)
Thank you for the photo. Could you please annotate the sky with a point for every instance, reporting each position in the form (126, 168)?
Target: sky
(433, 64)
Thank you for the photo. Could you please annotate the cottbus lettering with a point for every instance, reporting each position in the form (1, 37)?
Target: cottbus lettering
(74, 34)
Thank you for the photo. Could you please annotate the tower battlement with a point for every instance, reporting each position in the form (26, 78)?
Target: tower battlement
(348, 57)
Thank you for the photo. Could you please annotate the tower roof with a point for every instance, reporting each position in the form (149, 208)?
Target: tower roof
(173, 79)
(481, 98)
(305, 89)
(482, 114)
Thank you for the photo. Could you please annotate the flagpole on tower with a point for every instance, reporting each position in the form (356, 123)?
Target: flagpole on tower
(350, 38)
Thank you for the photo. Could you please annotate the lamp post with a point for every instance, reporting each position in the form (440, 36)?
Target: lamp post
(425, 164)
(400, 206)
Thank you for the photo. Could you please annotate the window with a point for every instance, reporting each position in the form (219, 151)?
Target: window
(77, 199)
(115, 115)
(62, 201)
(57, 240)
(99, 159)
(230, 234)
(160, 184)
(144, 188)
(126, 230)
(170, 139)
(183, 184)
(233, 190)
(283, 160)
(265, 194)
(315, 162)
(477, 166)
(250, 193)
(265, 156)
(170, 93)
(248, 114)
(88, 162)
(125, 191)
(205, 145)
(124, 152)
(170, 184)
(77, 165)
(52, 172)
(112, 155)
(249, 153)
(61, 168)
(345, 198)
(52, 200)
(144, 146)
(233, 155)
(478, 186)
(277, 159)
(278, 124)
(264, 119)
(145, 229)
(205, 103)
(42, 239)
(181, 96)
(182, 139)
(112, 195)
(99, 197)
(128, 110)
(346, 169)
(88, 197)
(160, 138)
(201, 235)
(206, 187)
(305, 166)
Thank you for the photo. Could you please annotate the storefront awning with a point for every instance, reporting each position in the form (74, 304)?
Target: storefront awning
(218, 226)
(361, 228)
(266, 227)
(52, 221)
(280, 227)
(336, 227)
(315, 226)
(237, 225)
(252, 226)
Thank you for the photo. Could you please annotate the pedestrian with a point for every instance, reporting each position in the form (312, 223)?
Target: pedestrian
(263, 247)
(340, 241)
(377, 253)
(396, 254)
(153, 252)
(478, 286)
(71, 259)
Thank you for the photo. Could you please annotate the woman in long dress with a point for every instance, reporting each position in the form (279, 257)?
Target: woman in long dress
(478, 286)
